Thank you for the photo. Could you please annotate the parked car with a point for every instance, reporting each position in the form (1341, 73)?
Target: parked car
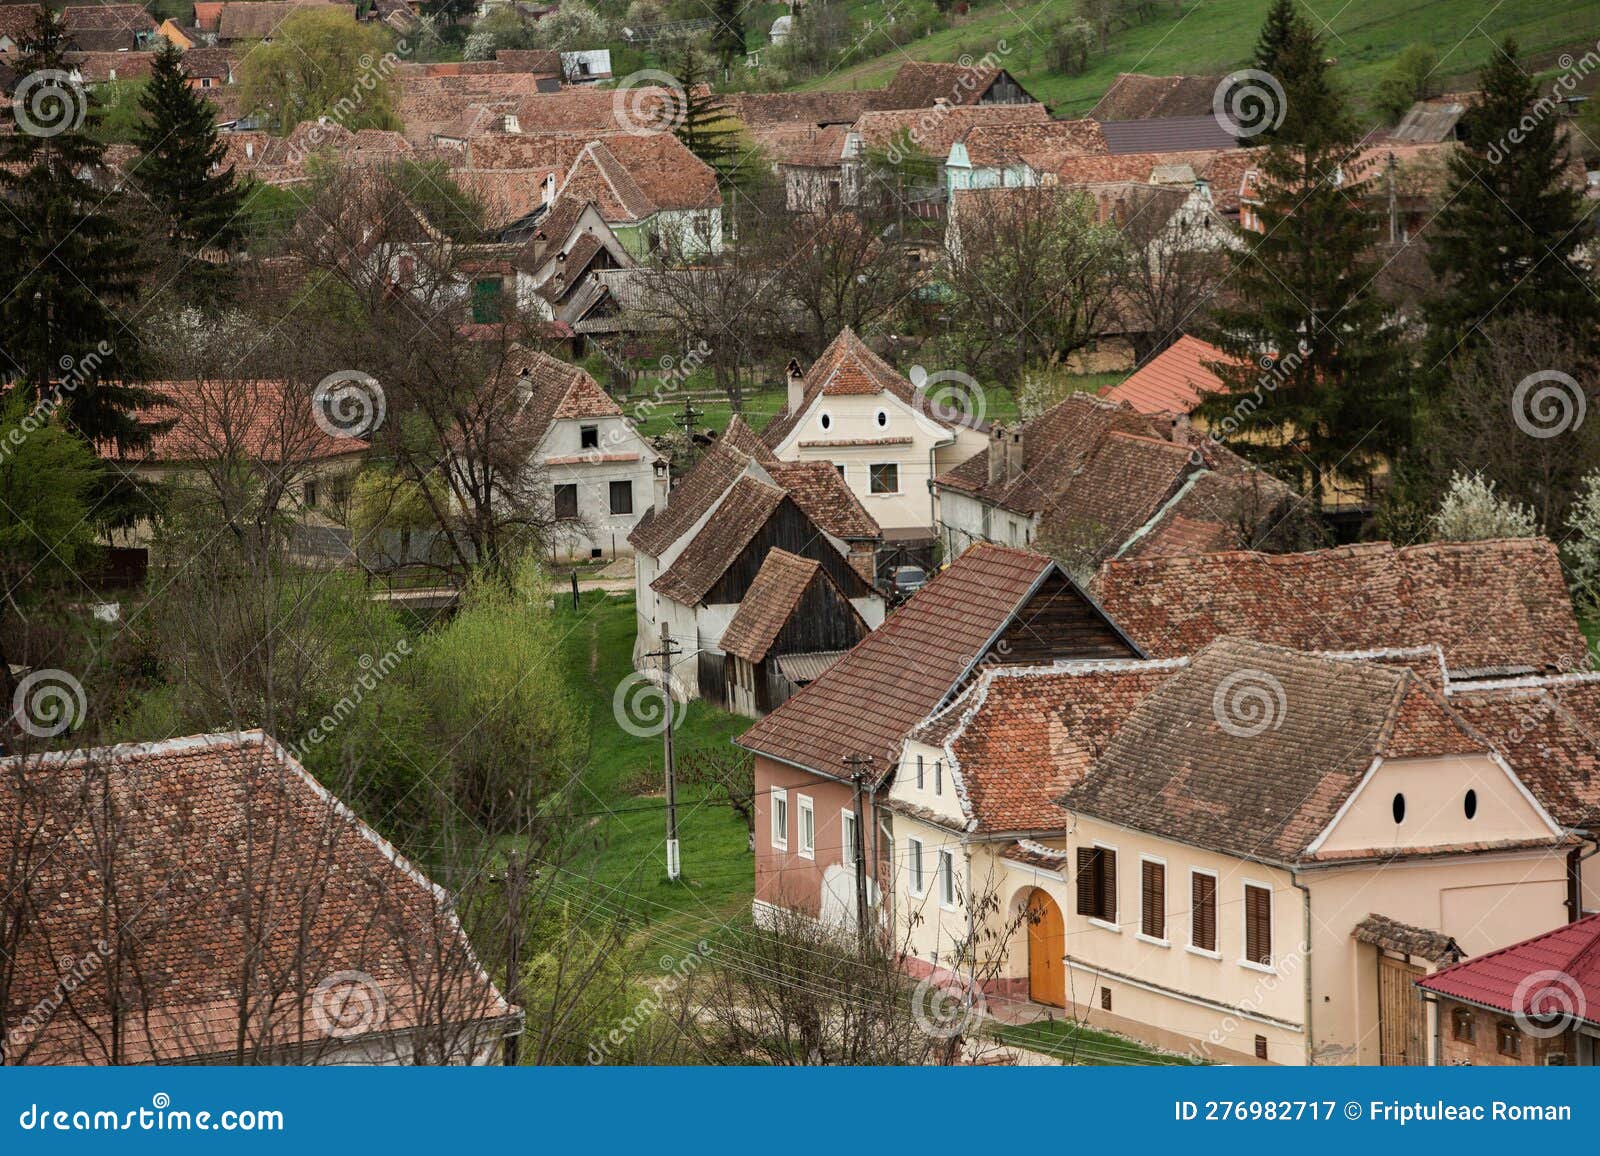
(906, 581)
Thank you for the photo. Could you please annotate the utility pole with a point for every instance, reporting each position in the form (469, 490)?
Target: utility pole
(859, 765)
(686, 418)
(665, 654)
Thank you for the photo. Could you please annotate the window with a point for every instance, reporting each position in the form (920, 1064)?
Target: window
(1203, 911)
(914, 856)
(849, 844)
(1105, 999)
(310, 492)
(780, 818)
(589, 437)
(1153, 899)
(567, 501)
(1463, 1025)
(1507, 1039)
(486, 300)
(1258, 925)
(825, 420)
(840, 467)
(1397, 807)
(808, 824)
(1261, 1047)
(1097, 883)
(938, 776)
(882, 418)
(947, 879)
(622, 497)
(885, 477)
(1469, 805)
(919, 772)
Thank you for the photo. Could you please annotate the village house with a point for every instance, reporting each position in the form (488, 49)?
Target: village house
(992, 156)
(1089, 480)
(109, 27)
(929, 133)
(1536, 1002)
(923, 84)
(1190, 851)
(846, 730)
(558, 265)
(705, 542)
(599, 469)
(375, 970)
(884, 436)
(1149, 114)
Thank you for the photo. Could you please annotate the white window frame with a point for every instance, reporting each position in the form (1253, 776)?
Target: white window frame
(780, 832)
(1216, 897)
(1244, 928)
(884, 493)
(1116, 896)
(806, 809)
(946, 872)
(847, 851)
(1166, 918)
(916, 877)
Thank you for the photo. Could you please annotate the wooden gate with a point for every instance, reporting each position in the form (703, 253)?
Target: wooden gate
(1402, 1019)
(1047, 947)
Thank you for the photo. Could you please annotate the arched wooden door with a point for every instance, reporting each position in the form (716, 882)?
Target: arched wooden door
(1047, 945)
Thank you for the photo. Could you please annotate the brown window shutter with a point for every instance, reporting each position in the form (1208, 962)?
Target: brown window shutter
(1203, 912)
(1258, 925)
(1154, 903)
(1108, 885)
(1086, 858)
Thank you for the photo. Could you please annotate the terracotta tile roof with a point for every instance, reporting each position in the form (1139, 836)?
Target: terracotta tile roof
(207, 421)
(1433, 946)
(746, 508)
(290, 160)
(873, 697)
(1019, 737)
(847, 367)
(216, 63)
(1177, 134)
(934, 130)
(803, 145)
(628, 177)
(100, 17)
(1003, 144)
(697, 492)
(1548, 729)
(1556, 974)
(771, 602)
(259, 19)
(922, 84)
(17, 20)
(99, 67)
(1137, 96)
(557, 391)
(428, 104)
(544, 61)
(1137, 167)
(1120, 488)
(1225, 174)
(1487, 604)
(808, 109)
(1267, 785)
(592, 110)
(1171, 381)
(825, 498)
(186, 807)
(1214, 511)
(208, 14)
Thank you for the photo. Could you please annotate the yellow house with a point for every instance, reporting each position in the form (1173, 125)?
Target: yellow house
(1246, 856)
(171, 32)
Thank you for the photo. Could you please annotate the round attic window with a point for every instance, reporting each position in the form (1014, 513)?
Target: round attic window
(1469, 805)
(883, 418)
(1399, 808)
(825, 420)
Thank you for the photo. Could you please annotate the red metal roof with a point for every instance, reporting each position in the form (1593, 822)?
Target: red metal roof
(1172, 381)
(1554, 974)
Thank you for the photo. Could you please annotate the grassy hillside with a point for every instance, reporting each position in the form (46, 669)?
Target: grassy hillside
(1218, 35)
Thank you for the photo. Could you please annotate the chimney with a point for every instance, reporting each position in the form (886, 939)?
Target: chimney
(797, 386)
(1014, 455)
(661, 477)
(999, 444)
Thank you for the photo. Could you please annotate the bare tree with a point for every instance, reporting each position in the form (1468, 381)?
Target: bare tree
(1175, 262)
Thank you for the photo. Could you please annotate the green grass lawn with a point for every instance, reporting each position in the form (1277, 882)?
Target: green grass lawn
(630, 864)
(1218, 35)
(1074, 1044)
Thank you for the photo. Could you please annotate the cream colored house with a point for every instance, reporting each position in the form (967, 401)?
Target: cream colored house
(884, 436)
(1246, 856)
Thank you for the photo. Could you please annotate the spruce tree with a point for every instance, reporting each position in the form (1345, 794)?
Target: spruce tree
(1314, 381)
(704, 128)
(1284, 24)
(1503, 241)
(66, 258)
(179, 171)
(727, 39)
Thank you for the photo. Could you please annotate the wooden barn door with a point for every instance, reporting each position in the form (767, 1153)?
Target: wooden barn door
(1047, 945)
(1402, 1020)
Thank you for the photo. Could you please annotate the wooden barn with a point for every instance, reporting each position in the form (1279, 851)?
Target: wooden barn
(794, 623)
